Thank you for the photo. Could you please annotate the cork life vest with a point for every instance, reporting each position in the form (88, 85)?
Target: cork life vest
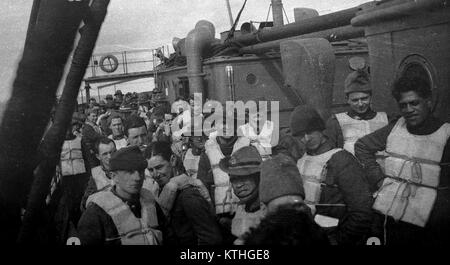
(72, 162)
(224, 199)
(121, 143)
(190, 163)
(413, 174)
(131, 230)
(313, 170)
(100, 178)
(353, 129)
(243, 221)
(261, 141)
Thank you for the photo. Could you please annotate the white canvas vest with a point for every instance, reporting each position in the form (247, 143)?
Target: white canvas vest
(243, 221)
(190, 163)
(261, 141)
(409, 192)
(72, 162)
(121, 143)
(353, 129)
(132, 230)
(313, 171)
(224, 199)
(100, 178)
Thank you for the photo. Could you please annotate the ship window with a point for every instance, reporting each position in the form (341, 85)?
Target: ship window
(251, 79)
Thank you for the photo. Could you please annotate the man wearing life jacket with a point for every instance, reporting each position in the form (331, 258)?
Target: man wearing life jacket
(243, 167)
(413, 193)
(260, 131)
(73, 182)
(91, 132)
(184, 200)
(123, 214)
(288, 220)
(118, 136)
(100, 175)
(335, 185)
(343, 129)
(215, 179)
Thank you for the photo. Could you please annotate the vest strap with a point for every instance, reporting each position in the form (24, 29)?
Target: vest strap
(414, 159)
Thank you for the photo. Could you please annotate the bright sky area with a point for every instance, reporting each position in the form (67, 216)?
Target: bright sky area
(143, 24)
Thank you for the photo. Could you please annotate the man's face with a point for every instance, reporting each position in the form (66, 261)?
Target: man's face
(128, 182)
(92, 101)
(160, 170)
(93, 117)
(414, 108)
(138, 137)
(359, 101)
(104, 154)
(312, 140)
(116, 127)
(244, 187)
(198, 144)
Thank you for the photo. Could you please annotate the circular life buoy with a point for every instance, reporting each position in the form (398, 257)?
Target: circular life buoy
(109, 63)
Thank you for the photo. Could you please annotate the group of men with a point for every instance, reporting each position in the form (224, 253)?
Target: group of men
(358, 175)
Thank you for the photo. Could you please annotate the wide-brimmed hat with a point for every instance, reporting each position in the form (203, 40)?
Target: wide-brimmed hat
(243, 162)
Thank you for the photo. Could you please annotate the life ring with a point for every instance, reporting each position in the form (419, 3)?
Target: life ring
(109, 63)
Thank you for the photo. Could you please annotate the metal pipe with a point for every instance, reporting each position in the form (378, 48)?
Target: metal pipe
(230, 14)
(332, 20)
(400, 10)
(336, 34)
(277, 13)
(197, 41)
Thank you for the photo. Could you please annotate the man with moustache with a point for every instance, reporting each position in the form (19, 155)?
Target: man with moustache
(124, 214)
(343, 129)
(413, 193)
(243, 167)
(334, 182)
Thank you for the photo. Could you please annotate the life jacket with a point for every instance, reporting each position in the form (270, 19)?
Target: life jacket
(72, 162)
(413, 174)
(224, 199)
(261, 141)
(131, 230)
(243, 221)
(100, 178)
(121, 143)
(169, 192)
(313, 170)
(190, 163)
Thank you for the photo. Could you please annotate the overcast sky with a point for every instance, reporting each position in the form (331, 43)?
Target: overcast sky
(138, 24)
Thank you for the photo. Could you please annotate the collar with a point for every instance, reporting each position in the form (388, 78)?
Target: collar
(120, 137)
(429, 126)
(326, 146)
(368, 115)
(132, 201)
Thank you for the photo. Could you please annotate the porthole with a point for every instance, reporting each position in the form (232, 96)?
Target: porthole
(251, 79)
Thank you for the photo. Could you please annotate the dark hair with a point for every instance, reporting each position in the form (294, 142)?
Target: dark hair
(287, 226)
(114, 116)
(162, 149)
(134, 121)
(406, 84)
(102, 140)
